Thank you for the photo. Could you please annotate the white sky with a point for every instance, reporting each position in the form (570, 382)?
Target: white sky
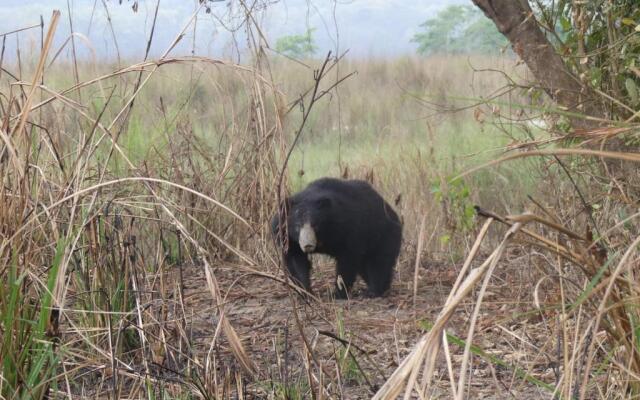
(364, 27)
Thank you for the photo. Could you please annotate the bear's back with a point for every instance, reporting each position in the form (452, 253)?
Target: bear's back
(357, 197)
(353, 188)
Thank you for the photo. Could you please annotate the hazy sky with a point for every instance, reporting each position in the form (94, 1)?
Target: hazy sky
(365, 27)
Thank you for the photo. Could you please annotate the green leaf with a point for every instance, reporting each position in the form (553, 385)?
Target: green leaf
(596, 76)
(464, 192)
(565, 23)
(628, 21)
(632, 90)
(469, 212)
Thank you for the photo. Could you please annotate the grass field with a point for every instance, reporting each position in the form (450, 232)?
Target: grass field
(136, 259)
(377, 123)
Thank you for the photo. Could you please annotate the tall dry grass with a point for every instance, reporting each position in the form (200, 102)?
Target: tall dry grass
(591, 319)
(91, 234)
(115, 180)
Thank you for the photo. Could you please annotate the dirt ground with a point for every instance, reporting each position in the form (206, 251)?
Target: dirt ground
(380, 332)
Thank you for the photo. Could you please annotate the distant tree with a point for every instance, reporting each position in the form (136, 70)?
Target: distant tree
(459, 29)
(297, 46)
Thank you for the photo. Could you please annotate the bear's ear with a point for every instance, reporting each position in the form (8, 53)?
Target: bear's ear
(324, 203)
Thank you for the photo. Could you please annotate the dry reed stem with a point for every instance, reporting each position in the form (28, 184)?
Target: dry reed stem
(527, 217)
(13, 154)
(470, 257)
(75, 196)
(233, 338)
(447, 357)
(474, 318)
(36, 78)
(425, 351)
(94, 188)
(539, 240)
(66, 205)
(56, 213)
(150, 66)
(53, 24)
(614, 155)
(142, 84)
(618, 323)
(418, 256)
(474, 275)
(602, 309)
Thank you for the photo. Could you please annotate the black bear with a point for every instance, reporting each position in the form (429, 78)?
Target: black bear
(347, 220)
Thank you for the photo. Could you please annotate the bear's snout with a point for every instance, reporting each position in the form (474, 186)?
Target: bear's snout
(307, 238)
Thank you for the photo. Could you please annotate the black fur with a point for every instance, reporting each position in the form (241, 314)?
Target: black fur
(352, 223)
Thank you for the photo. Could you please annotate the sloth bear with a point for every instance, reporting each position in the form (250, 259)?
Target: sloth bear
(347, 220)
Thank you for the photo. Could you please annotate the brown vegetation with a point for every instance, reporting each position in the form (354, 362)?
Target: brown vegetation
(135, 259)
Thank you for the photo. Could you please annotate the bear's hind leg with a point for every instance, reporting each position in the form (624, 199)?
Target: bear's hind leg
(378, 282)
(346, 270)
(378, 273)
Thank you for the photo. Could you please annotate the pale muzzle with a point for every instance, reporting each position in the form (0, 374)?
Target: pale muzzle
(307, 238)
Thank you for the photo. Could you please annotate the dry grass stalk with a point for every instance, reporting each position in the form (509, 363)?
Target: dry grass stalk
(113, 229)
(613, 155)
(75, 200)
(418, 256)
(424, 353)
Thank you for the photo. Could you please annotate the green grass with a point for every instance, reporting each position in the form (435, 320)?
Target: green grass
(450, 150)
(28, 352)
(374, 124)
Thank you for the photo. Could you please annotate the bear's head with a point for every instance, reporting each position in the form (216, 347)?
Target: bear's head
(308, 219)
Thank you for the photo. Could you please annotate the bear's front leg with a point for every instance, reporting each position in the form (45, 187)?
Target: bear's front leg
(299, 266)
